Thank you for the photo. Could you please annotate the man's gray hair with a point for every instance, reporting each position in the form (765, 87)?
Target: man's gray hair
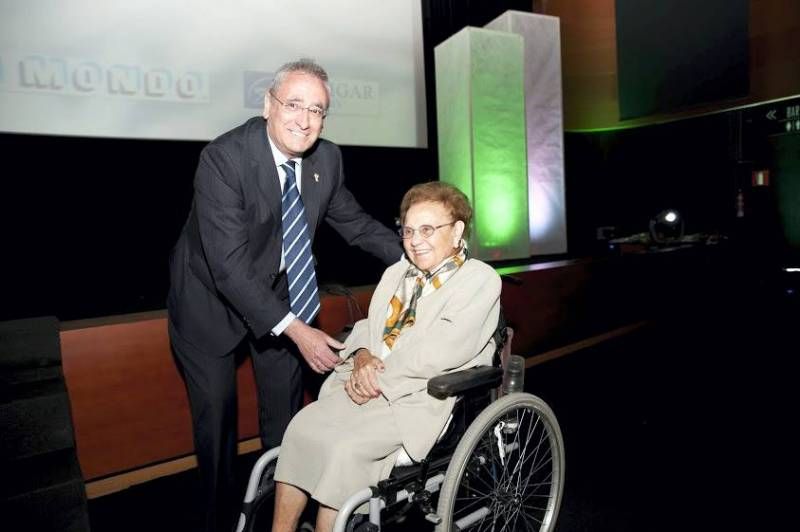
(306, 66)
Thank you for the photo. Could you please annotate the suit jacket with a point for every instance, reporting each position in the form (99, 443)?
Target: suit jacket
(453, 331)
(223, 267)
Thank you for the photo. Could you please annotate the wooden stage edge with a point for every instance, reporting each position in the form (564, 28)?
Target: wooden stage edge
(115, 483)
(583, 344)
(119, 482)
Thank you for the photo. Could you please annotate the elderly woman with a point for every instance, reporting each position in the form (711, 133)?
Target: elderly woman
(432, 313)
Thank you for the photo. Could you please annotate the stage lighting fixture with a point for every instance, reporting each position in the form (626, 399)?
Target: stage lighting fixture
(666, 227)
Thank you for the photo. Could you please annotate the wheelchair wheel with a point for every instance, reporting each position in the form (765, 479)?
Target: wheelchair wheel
(507, 473)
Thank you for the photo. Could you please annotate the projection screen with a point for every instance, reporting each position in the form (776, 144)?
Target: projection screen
(192, 69)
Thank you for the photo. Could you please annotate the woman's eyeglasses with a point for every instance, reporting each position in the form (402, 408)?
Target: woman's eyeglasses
(425, 231)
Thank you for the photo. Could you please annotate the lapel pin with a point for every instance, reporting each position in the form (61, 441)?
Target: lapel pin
(316, 177)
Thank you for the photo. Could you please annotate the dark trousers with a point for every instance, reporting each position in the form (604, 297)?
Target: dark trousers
(211, 385)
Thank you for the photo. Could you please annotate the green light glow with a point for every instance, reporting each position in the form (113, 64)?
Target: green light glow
(499, 216)
(481, 119)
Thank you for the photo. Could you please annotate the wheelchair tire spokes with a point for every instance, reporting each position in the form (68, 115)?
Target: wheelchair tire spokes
(507, 472)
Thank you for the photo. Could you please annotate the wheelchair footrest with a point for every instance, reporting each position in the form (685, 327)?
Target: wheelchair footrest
(461, 381)
(433, 518)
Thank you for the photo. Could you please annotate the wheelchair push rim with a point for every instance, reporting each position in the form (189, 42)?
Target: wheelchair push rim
(507, 473)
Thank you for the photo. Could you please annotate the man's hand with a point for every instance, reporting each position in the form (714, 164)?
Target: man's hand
(364, 378)
(314, 345)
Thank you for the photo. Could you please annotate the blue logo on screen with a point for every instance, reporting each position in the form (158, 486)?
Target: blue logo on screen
(255, 86)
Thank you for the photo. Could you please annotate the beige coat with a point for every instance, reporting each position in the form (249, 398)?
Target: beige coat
(453, 330)
(334, 447)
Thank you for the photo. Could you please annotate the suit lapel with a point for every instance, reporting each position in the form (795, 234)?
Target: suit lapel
(310, 192)
(263, 166)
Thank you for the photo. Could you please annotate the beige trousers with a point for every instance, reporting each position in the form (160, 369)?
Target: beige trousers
(334, 448)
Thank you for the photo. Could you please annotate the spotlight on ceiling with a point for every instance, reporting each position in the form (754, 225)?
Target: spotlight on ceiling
(666, 226)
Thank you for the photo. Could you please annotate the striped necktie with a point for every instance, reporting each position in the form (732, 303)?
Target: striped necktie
(303, 293)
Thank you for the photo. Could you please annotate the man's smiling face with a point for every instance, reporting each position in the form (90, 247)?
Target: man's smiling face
(295, 132)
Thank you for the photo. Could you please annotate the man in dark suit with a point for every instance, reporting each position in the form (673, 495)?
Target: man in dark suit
(233, 266)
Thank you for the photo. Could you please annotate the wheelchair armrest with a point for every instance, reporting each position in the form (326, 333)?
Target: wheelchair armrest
(461, 381)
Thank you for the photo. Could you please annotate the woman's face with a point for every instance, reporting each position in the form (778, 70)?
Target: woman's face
(427, 253)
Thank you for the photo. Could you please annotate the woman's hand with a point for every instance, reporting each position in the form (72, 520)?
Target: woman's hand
(354, 396)
(363, 381)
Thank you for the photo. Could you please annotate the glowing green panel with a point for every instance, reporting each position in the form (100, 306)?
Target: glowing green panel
(481, 130)
(452, 59)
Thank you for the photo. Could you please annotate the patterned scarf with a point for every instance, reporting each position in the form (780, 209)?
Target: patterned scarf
(415, 285)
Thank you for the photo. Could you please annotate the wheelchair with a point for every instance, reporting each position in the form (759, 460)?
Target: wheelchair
(498, 465)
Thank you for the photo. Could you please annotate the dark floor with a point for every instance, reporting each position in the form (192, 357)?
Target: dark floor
(681, 425)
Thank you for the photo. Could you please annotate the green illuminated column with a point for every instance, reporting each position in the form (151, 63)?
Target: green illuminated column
(480, 105)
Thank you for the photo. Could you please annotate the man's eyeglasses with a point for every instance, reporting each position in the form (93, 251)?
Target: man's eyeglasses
(426, 231)
(293, 108)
